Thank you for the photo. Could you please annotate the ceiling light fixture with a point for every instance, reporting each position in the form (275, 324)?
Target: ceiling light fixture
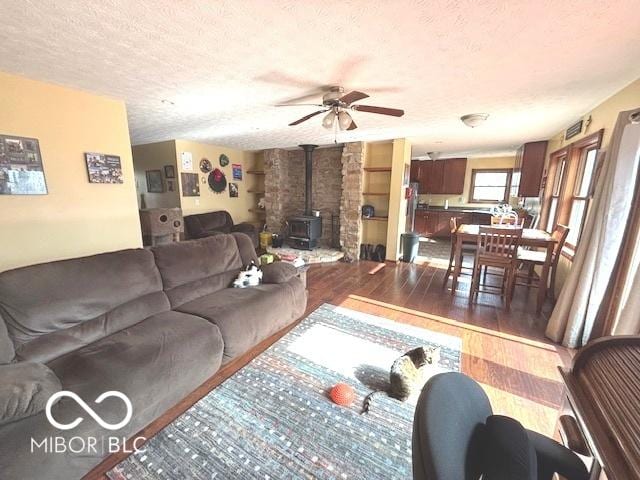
(474, 119)
(344, 120)
(433, 155)
(328, 120)
(167, 102)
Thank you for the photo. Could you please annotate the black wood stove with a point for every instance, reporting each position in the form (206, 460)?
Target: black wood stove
(305, 230)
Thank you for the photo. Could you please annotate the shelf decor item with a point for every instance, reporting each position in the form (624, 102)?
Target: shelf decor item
(205, 165)
(224, 160)
(21, 169)
(217, 181)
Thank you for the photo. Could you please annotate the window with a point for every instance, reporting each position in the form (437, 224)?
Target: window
(490, 185)
(572, 172)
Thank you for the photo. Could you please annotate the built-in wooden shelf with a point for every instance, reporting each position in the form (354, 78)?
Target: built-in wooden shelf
(256, 172)
(377, 169)
(261, 211)
(381, 194)
(376, 219)
(259, 192)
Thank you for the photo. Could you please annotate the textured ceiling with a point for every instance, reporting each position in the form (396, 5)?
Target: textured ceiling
(533, 65)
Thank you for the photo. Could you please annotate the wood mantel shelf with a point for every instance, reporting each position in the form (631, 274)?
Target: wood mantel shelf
(259, 192)
(261, 211)
(377, 169)
(376, 219)
(381, 194)
(256, 172)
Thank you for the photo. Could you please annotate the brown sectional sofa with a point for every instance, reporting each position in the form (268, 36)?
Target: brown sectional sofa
(207, 224)
(152, 324)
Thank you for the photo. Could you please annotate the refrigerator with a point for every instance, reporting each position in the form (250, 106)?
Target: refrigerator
(412, 192)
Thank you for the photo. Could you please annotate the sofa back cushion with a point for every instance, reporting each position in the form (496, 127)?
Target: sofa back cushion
(53, 308)
(195, 268)
(200, 224)
(7, 351)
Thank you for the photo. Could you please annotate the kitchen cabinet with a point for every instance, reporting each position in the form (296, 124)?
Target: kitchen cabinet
(436, 223)
(528, 169)
(439, 176)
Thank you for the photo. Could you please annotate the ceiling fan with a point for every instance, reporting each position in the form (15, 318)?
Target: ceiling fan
(338, 104)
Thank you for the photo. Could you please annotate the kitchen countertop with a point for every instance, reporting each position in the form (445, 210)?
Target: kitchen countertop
(458, 208)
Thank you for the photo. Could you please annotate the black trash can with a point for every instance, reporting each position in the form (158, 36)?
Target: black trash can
(410, 242)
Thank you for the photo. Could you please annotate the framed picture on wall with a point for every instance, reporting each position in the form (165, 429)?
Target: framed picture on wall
(103, 168)
(233, 190)
(154, 181)
(236, 170)
(190, 185)
(169, 171)
(21, 170)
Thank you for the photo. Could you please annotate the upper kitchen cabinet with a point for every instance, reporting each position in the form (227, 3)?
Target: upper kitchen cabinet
(528, 169)
(440, 176)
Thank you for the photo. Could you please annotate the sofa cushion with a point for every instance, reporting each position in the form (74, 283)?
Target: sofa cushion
(278, 272)
(195, 268)
(50, 297)
(247, 316)
(155, 363)
(7, 352)
(203, 224)
(24, 390)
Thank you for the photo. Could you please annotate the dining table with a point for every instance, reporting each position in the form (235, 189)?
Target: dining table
(531, 237)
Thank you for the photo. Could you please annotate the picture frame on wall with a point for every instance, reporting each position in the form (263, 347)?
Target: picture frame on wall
(155, 183)
(233, 190)
(21, 168)
(102, 168)
(169, 171)
(236, 171)
(190, 185)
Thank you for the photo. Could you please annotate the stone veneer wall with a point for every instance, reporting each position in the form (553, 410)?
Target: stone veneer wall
(353, 156)
(336, 189)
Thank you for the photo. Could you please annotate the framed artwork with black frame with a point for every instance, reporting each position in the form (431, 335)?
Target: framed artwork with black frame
(155, 183)
(169, 171)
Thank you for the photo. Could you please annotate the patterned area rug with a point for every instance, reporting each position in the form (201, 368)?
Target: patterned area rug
(273, 419)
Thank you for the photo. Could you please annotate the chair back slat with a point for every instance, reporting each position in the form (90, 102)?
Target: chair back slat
(499, 241)
(559, 234)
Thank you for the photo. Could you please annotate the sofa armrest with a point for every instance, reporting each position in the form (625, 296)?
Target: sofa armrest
(278, 272)
(25, 388)
(244, 228)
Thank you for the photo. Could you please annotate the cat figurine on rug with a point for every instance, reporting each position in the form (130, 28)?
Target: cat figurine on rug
(408, 374)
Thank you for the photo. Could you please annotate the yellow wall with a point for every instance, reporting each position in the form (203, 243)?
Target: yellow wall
(155, 156)
(602, 116)
(208, 200)
(472, 163)
(401, 160)
(76, 217)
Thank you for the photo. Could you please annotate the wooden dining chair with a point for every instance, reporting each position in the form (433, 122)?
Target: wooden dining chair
(530, 258)
(467, 247)
(497, 247)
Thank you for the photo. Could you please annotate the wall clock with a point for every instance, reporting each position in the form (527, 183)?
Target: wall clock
(224, 160)
(205, 166)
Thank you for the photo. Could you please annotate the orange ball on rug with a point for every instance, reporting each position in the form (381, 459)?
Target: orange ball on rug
(342, 394)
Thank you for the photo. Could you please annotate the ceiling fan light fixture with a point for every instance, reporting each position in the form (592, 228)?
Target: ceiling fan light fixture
(344, 120)
(329, 119)
(474, 120)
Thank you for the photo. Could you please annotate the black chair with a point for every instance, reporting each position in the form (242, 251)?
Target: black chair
(453, 440)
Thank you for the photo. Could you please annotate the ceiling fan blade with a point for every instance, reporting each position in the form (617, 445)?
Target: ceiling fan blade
(299, 105)
(353, 97)
(394, 112)
(353, 125)
(306, 117)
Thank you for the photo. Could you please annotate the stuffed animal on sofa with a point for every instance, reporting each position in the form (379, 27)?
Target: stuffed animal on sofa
(249, 277)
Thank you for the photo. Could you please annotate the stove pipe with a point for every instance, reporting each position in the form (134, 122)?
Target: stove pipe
(308, 159)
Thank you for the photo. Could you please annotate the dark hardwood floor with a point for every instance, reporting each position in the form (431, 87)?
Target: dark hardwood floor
(505, 351)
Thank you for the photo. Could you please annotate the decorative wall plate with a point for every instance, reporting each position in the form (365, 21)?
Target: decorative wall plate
(224, 160)
(205, 166)
(217, 181)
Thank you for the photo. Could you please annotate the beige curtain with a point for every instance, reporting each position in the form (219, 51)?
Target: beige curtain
(586, 285)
